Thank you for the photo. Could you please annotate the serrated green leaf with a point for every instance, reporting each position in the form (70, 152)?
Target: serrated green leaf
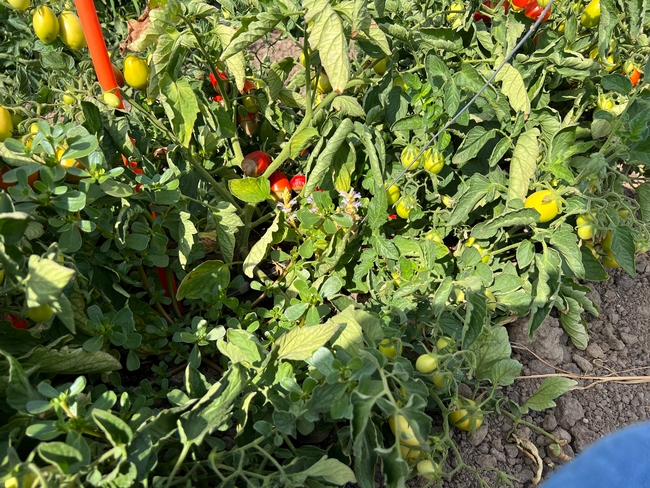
(250, 190)
(300, 343)
(523, 164)
(550, 389)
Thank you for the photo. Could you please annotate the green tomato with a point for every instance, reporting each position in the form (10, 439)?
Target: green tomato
(407, 437)
(387, 348)
(408, 156)
(466, 418)
(111, 99)
(380, 66)
(545, 203)
(251, 104)
(426, 363)
(434, 161)
(485, 256)
(392, 194)
(42, 313)
(491, 301)
(403, 209)
(428, 469)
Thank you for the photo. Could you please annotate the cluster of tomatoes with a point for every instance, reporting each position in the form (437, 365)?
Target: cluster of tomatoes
(464, 414)
(532, 8)
(256, 163)
(248, 114)
(48, 27)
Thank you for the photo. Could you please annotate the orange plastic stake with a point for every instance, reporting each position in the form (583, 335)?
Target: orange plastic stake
(97, 46)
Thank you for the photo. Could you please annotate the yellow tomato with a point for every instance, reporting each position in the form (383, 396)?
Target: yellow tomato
(398, 81)
(544, 203)
(434, 161)
(6, 125)
(444, 343)
(111, 99)
(33, 129)
(591, 15)
(403, 209)
(70, 30)
(590, 245)
(609, 260)
(387, 348)
(46, 25)
(409, 455)
(485, 256)
(380, 67)
(459, 295)
(426, 363)
(462, 418)
(68, 99)
(392, 194)
(136, 72)
(585, 226)
(324, 85)
(438, 380)
(19, 4)
(302, 56)
(491, 301)
(624, 213)
(447, 201)
(428, 469)
(406, 435)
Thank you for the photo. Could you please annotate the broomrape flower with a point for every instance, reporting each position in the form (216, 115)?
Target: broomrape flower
(350, 201)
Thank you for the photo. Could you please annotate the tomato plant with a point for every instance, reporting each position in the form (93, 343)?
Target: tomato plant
(179, 311)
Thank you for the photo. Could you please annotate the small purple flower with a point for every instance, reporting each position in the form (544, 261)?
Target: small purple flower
(286, 207)
(349, 202)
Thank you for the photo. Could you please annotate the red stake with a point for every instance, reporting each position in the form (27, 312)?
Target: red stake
(97, 46)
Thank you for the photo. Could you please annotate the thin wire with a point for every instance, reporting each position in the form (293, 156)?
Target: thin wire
(530, 32)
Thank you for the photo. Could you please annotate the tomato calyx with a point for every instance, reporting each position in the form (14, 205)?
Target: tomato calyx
(255, 163)
(298, 182)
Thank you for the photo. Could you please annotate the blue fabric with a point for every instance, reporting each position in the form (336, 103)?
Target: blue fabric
(621, 459)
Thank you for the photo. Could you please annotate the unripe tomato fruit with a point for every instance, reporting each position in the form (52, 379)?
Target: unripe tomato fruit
(604, 103)
(444, 343)
(591, 14)
(279, 184)
(119, 77)
(136, 72)
(585, 226)
(19, 4)
(409, 455)
(392, 194)
(428, 469)
(609, 260)
(403, 209)
(485, 256)
(45, 23)
(41, 313)
(380, 67)
(426, 363)
(406, 435)
(251, 105)
(408, 156)
(68, 99)
(544, 203)
(111, 99)
(491, 301)
(33, 129)
(298, 182)
(2, 275)
(387, 348)
(399, 82)
(70, 31)
(438, 380)
(249, 124)
(462, 418)
(458, 295)
(16, 119)
(255, 163)
(6, 124)
(302, 57)
(324, 85)
(434, 161)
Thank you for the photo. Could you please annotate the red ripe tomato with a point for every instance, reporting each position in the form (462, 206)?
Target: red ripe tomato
(297, 182)
(249, 86)
(392, 216)
(520, 4)
(635, 76)
(255, 163)
(533, 10)
(31, 179)
(213, 79)
(480, 16)
(16, 322)
(279, 183)
(218, 98)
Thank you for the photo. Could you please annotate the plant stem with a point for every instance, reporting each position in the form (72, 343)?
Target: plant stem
(147, 286)
(170, 278)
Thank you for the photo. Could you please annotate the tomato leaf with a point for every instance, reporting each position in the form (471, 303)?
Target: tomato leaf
(300, 343)
(326, 35)
(523, 164)
(250, 190)
(252, 28)
(513, 87)
(623, 249)
(550, 389)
